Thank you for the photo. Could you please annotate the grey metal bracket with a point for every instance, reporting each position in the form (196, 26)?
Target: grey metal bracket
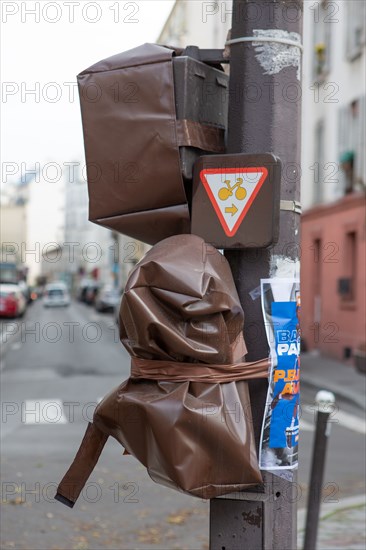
(291, 206)
(209, 56)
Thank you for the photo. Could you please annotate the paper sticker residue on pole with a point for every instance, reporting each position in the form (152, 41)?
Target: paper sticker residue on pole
(280, 429)
(232, 192)
(274, 56)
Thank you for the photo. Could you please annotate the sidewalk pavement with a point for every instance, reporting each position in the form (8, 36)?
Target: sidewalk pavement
(342, 525)
(342, 379)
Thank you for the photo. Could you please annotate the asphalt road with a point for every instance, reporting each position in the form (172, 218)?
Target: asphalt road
(56, 365)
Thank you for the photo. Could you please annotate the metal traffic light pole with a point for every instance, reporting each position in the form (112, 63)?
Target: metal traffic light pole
(264, 116)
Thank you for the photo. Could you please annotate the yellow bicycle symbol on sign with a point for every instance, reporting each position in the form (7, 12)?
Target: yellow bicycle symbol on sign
(226, 192)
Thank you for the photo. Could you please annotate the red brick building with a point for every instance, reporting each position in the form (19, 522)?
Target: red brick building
(333, 276)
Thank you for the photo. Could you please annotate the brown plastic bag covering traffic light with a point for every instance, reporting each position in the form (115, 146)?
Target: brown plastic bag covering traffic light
(132, 139)
(185, 411)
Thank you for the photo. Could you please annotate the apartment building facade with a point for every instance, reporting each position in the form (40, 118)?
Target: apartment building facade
(333, 159)
(334, 177)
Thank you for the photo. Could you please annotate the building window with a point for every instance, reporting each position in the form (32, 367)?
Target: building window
(317, 278)
(355, 35)
(323, 19)
(351, 146)
(347, 284)
(318, 166)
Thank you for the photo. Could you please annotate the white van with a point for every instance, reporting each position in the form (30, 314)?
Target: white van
(56, 294)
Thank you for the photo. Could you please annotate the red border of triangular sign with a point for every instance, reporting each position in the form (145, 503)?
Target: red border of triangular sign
(250, 201)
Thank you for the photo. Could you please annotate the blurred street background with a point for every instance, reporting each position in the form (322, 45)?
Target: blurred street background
(50, 386)
(58, 362)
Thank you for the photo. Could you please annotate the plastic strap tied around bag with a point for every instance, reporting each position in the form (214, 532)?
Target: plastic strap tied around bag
(202, 136)
(175, 371)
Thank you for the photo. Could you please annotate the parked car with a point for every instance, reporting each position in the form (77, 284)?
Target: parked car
(25, 289)
(88, 290)
(56, 294)
(108, 298)
(117, 309)
(36, 292)
(12, 301)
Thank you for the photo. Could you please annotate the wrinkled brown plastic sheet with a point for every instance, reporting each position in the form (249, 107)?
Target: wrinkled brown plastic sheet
(185, 412)
(132, 139)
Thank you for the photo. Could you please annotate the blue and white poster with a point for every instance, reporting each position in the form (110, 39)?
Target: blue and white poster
(280, 429)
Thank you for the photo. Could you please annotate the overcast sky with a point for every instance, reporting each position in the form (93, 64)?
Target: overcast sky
(44, 45)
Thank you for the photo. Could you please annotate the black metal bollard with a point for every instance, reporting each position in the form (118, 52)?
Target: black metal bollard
(325, 401)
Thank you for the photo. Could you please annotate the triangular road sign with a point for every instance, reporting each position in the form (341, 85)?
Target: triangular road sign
(232, 192)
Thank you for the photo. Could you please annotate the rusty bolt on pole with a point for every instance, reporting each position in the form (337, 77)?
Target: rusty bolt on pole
(325, 402)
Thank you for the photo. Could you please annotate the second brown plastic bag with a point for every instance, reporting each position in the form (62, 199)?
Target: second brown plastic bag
(181, 319)
(185, 411)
